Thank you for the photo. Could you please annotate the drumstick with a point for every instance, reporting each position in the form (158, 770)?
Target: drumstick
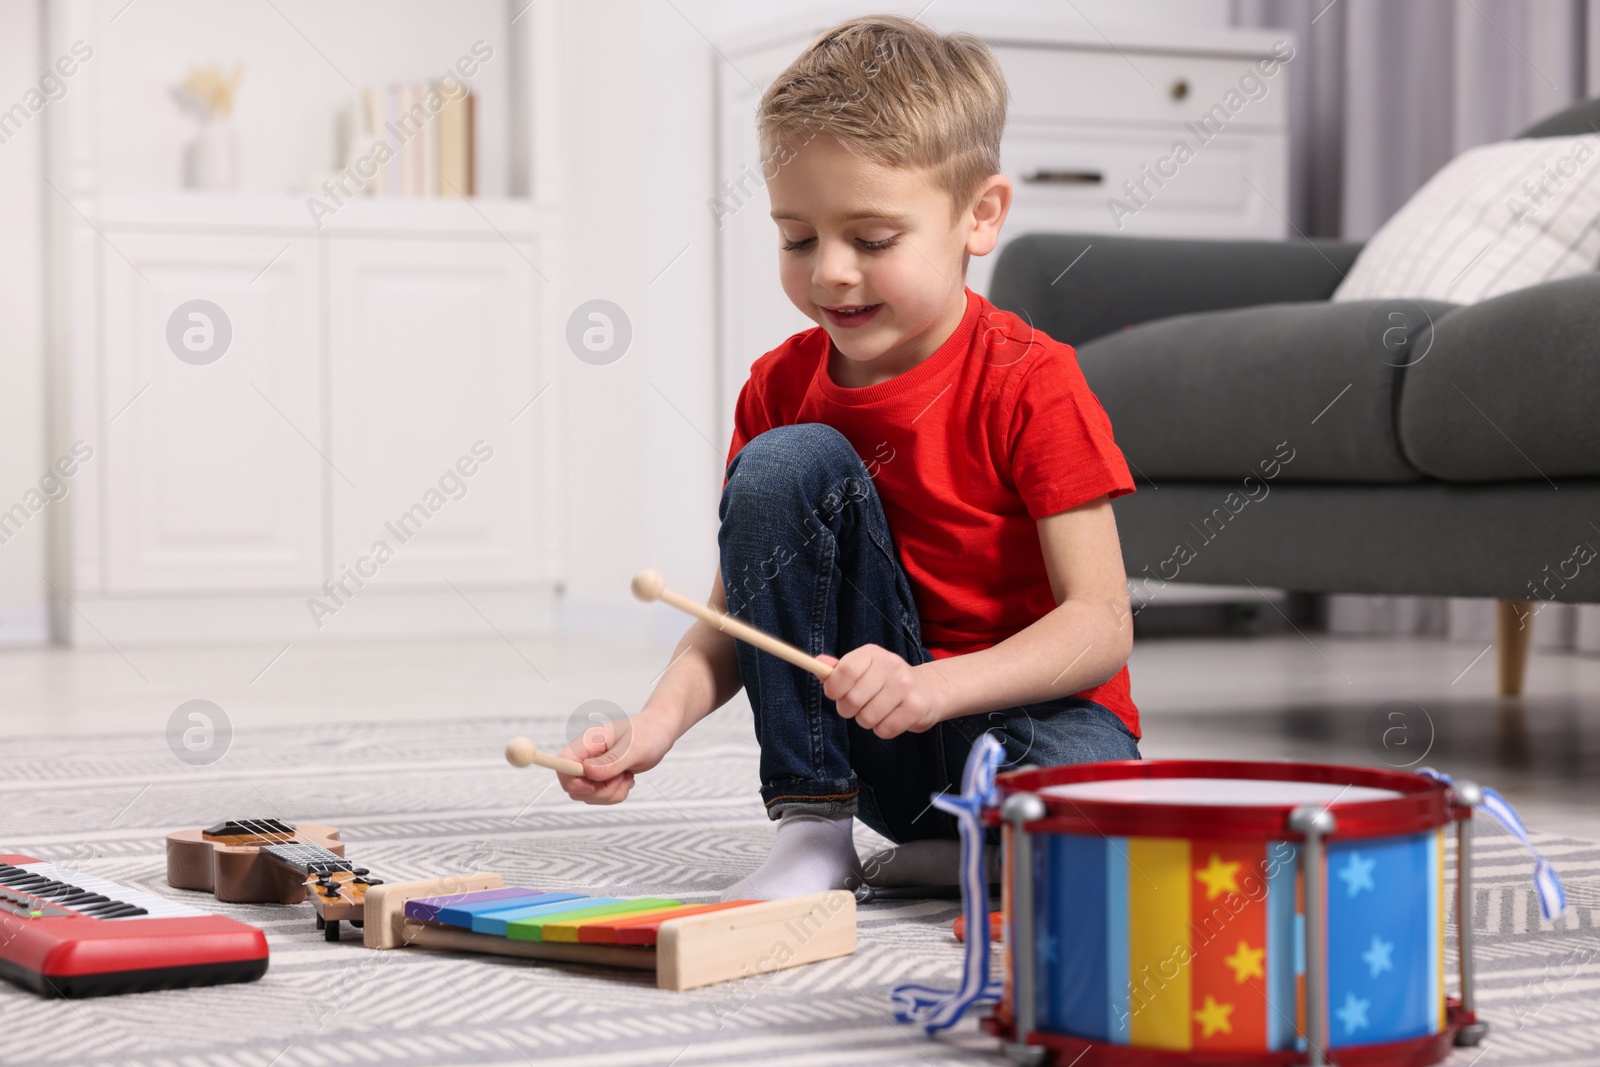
(520, 752)
(648, 586)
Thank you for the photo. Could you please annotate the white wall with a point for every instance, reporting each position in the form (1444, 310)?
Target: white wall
(22, 456)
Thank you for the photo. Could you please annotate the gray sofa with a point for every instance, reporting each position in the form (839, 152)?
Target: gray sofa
(1282, 440)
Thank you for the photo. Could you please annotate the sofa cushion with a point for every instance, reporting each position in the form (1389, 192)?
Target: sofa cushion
(1218, 394)
(1077, 287)
(1508, 388)
(1511, 541)
(1581, 118)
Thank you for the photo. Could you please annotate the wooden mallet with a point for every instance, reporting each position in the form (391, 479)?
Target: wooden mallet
(648, 586)
(520, 752)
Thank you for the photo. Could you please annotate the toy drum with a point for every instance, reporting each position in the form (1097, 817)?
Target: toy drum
(1204, 912)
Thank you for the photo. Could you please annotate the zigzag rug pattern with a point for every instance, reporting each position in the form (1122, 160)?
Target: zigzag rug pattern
(425, 799)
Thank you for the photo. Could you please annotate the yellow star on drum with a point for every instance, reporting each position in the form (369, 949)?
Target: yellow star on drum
(1247, 962)
(1213, 1018)
(1219, 877)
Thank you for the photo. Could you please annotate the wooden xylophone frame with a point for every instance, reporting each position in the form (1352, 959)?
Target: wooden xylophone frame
(693, 951)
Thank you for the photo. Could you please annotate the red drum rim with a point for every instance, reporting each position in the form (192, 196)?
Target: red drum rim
(1408, 1052)
(1422, 803)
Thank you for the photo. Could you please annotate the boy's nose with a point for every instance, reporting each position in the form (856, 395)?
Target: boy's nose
(836, 267)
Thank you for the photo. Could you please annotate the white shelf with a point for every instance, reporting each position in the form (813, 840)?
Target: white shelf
(192, 212)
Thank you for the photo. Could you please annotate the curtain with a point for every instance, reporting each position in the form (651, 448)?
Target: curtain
(1383, 94)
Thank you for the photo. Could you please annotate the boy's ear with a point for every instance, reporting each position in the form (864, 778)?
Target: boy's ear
(988, 214)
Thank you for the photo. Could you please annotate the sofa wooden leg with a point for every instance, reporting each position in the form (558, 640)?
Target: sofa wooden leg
(1514, 627)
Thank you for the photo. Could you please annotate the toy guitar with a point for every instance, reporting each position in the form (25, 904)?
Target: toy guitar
(265, 861)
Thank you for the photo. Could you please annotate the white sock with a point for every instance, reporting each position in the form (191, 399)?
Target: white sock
(923, 863)
(810, 853)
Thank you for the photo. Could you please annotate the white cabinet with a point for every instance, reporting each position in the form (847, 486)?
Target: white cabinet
(432, 362)
(210, 481)
(370, 349)
(1088, 114)
(375, 388)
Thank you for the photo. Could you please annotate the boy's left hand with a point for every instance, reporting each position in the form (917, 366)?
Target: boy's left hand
(881, 692)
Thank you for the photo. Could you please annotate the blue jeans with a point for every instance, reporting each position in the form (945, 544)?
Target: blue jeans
(807, 555)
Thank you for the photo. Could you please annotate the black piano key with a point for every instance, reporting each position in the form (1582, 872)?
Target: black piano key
(30, 888)
(82, 896)
(99, 911)
(28, 880)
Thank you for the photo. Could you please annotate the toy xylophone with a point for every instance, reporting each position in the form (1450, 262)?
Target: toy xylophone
(687, 945)
(69, 934)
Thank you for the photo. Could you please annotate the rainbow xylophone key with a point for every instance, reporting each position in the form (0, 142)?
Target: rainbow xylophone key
(518, 913)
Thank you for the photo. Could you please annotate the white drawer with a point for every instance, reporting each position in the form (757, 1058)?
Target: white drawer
(1052, 84)
(1086, 168)
(1209, 196)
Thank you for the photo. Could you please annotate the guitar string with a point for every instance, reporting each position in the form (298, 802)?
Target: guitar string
(289, 841)
(306, 850)
(302, 853)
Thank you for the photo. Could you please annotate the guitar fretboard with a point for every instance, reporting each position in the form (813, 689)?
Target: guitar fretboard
(307, 858)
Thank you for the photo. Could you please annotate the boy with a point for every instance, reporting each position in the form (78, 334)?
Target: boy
(921, 484)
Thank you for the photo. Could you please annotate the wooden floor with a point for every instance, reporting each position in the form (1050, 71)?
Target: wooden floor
(1312, 697)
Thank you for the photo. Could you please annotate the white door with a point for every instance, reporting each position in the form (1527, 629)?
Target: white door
(211, 414)
(433, 362)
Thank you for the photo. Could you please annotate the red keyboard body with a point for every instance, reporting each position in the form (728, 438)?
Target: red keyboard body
(65, 933)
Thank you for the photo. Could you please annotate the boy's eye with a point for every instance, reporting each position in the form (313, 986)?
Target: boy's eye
(871, 246)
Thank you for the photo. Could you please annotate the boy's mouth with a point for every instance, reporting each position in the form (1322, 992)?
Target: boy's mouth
(848, 316)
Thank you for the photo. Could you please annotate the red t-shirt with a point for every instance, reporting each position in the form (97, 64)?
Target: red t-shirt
(968, 449)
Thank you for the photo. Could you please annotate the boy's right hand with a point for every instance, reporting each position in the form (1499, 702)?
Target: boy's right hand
(613, 752)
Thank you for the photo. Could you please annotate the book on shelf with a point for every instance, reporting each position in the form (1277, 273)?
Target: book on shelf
(412, 140)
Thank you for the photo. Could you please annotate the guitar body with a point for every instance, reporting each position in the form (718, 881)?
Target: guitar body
(233, 868)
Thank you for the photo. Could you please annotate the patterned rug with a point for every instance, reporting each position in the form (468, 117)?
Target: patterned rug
(422, 800)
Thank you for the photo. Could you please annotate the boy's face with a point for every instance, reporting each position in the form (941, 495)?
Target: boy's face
(856, 234)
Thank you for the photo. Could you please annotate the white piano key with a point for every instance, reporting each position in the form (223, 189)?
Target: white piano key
(158, 907)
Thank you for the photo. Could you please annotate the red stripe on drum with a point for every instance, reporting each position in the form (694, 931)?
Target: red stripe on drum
(1228, 919)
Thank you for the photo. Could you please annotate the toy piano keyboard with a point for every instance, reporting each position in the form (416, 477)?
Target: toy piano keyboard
(70, 934)
(686, 945)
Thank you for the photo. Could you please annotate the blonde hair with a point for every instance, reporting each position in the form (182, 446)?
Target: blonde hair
(897, 93)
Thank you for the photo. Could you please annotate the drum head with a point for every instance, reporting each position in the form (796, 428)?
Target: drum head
(1229, 798)
(1248, 792)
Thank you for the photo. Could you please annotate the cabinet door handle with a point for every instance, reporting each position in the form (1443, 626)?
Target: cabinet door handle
(1052, 176)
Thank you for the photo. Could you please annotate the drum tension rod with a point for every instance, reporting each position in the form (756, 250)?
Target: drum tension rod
(1315, 823)
(1470, 795)
(1020, 809)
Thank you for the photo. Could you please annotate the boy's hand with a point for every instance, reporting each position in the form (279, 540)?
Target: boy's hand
(612, 753)
(881, 692)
